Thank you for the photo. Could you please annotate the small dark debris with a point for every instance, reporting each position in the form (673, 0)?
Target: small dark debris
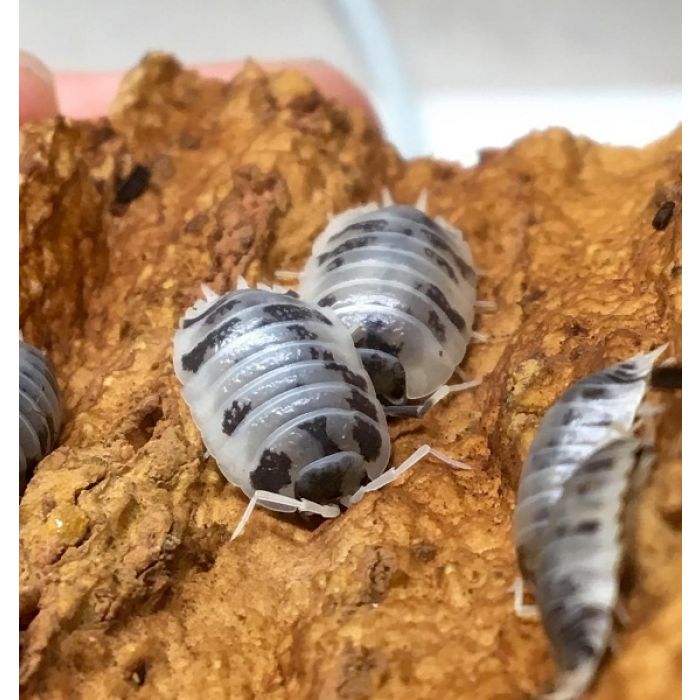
(576, 328)
(534, 295)
(196, 223)
(133, 186)
(663, 216)
(677, 270)
(424, 551)
(668, 377)
(190, 141)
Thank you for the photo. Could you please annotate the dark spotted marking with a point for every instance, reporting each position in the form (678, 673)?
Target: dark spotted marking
(436, 326)
(359, 402)
(349, 377)
(367, 437)
(318, 429)
(599, 465)
(272, 313)
(406, 211)
(192, 360)
(587, 527)
(301, 333)
(440, 262)
(272, 473)
(212, 310)
(662, 218)
(367, 226)
(465, 269)
(317, 354)
(387, 374)
(328, 300)
(334, 264)
(292, 312)
(576, 648)
(371, 338)
(570, 416)
(594, 392)
(435, 294)
(428, 229)
(620, 376)
(234, 415)
(352, 244)
(133, 186)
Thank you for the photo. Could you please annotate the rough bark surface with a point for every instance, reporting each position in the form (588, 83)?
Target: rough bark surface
(129, 586)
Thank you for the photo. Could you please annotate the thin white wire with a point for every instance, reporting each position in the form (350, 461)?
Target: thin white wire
(369, 35)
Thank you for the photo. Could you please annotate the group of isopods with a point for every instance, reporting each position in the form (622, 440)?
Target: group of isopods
(291, 391)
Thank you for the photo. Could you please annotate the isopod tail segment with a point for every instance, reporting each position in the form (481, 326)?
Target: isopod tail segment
(332, 510)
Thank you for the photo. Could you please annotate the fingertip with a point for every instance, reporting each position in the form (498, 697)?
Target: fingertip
(37, 95)
(335, 84)
(86, 95)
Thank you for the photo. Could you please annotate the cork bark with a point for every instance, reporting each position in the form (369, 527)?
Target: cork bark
(129, 586)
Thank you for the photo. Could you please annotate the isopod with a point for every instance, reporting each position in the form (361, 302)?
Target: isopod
(39, 411)
(576, 571)
(569, 432)
(283, 402)
(405, 285)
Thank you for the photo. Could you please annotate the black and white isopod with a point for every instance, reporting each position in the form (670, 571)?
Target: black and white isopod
(282, 400)
(405, 284)
(576, 571)
(39, 411)
(574, 427)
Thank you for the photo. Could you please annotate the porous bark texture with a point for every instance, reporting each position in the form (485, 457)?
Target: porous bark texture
(129, 586)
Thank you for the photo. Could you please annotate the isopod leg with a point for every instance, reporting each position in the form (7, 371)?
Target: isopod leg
(263, 497)
(287, 275)
(523, 611)
(422, 201)
(395, 472)
(245, 517)
(419, 410)
(621, 614)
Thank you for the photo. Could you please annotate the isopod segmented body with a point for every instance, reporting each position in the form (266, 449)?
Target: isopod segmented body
(39, 411)
(281, 398)
(406, 287)
(569, 432)
(576, 570)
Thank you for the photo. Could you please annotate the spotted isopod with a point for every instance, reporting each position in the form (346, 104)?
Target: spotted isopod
(39, 411)
(283, 402)
(405, 285)
(569, 432)
(577, 569)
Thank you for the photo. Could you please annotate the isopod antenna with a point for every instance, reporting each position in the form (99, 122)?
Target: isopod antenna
(370, 37)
